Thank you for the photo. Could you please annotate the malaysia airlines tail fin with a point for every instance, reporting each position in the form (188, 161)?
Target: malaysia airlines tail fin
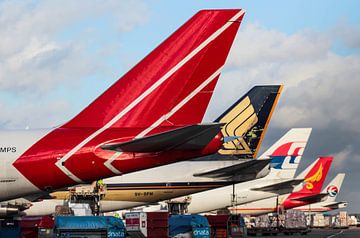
(173, 84)
(247, 120)
(286, 153)
(333, 188)
(315, 175)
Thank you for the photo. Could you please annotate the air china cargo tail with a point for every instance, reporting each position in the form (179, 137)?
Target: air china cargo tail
(149, 117)
(306, 193)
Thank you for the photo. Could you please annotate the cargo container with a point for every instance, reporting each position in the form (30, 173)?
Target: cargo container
(318, 221)
(37, 227)
(147, 224)
(89, 226)
(9, 228)
(226, 225)
(195, 226)
(341, 221)
(218, 225)
(288, 223)
(327, 220)
(352, 220)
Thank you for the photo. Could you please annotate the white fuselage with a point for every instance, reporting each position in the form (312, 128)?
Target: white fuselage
(220, 198)
(263, 206)
(13, 144)
(172, 173)
(321, 207)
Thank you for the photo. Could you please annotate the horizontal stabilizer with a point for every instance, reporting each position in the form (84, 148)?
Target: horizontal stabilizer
(334, 205)
(238, 172)
(312, 198)
(285, 185)
(192, 137)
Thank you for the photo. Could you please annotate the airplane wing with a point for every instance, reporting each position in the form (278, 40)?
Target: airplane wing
(238, 172)
(312, 198)
(285, 185)
(192, 137)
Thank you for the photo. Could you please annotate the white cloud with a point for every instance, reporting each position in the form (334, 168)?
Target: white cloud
(321, 88)
(43, 114)
(49, 48)
(344, 156)
(35, 54)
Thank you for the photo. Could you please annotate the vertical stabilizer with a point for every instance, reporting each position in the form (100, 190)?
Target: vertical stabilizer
(316, 176)
(333, 188)
(247, 121)
(287, 152)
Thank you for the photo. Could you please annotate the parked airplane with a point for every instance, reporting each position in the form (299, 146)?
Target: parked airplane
(330, 204)
(146, 119)
(304, 194)
(246, 123)
(285, 157)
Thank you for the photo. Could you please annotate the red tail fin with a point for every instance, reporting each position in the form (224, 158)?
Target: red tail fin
(179, 74)
(314, 180)
(170, 86)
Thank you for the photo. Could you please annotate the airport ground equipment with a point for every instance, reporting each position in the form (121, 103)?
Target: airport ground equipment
(9, 227)
(227, 225)
(37, 227)
(288, 223)
(89, 226)
(194, 226)
(147, 224)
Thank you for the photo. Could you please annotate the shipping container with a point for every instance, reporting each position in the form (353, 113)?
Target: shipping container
(37, 227)
(89, 226)
(341, 220)
(195, 226)
(218, 225)
(9, 228)
(147, 224)
(227, 225)
(288, 223)
(318, 221)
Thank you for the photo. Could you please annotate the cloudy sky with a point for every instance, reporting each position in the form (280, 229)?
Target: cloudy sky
(57, 56)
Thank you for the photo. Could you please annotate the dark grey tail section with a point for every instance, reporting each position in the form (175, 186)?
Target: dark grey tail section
(192, 137)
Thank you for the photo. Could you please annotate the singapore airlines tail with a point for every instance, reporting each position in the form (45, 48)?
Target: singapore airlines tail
(246, 121)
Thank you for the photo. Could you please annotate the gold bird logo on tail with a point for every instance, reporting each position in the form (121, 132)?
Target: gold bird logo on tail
(309, 182)
(238, 122)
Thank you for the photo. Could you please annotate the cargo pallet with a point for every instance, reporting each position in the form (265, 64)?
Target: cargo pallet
(275, 231)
